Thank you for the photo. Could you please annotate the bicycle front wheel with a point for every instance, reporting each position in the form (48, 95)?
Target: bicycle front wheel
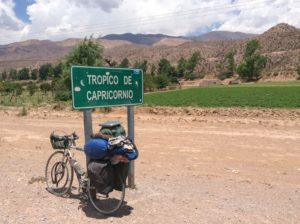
(110, 203)
(58, 174)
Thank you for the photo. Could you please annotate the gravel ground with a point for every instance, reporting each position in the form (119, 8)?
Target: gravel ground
(195, 166)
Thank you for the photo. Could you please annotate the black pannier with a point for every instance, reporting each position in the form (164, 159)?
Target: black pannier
(120, 175)
(101, 174)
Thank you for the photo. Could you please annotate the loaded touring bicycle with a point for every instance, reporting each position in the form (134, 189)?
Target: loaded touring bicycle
(103, 183)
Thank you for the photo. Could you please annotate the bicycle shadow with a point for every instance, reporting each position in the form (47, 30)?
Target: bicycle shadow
(91, 212)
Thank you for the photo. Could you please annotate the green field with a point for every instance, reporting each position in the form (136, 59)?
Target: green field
(267, 95)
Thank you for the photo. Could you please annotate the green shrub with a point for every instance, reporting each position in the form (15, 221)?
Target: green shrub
(45, 87)
(32, 88)
(161, 81)
(62, 96)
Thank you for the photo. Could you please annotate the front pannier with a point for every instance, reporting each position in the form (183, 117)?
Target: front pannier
(59, 142)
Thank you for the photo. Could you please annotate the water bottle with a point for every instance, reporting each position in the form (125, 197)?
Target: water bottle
(77, 167)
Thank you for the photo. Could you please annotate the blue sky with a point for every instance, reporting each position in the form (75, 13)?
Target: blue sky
(20, 9)
(61, 19)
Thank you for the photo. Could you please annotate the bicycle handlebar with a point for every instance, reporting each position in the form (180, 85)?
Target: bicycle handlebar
(72, 136)
(75, 136)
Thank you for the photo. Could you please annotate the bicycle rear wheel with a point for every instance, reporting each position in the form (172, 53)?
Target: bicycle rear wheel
(58, 174)
(107, 204)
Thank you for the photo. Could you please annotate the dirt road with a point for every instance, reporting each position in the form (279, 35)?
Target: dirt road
(213, 167)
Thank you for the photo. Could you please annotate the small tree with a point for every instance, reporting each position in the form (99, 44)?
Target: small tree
(298, 67)
(164, 67)
(13, 74)
(4, 75)
(58, 70)
(230, 62)
(152, 70)
(124, 63)
(23, 74)
(227, 67)
(191, 65)
(253, 63)
(45, 71)
(193, 61)
(181, 67)
(149, 83)
(161, 81)
(34, 74)
(89, 53)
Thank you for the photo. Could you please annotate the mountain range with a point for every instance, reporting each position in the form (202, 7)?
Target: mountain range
(281, 44)
(153, 39)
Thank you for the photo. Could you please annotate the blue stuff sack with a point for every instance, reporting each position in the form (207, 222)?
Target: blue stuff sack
(129, 154)
(96, 148)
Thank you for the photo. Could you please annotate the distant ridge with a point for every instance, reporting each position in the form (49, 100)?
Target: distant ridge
(152, 39)
(146, 39)
(224, 35)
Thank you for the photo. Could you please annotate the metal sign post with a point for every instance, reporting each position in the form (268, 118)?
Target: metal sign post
(130, 125)
(94, 87)
(88, 127)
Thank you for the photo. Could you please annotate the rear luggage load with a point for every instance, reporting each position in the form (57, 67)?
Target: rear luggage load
(107, 173)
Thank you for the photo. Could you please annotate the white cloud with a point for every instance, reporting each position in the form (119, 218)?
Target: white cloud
(10, 25)
(60, 19)
(105, 5)
(263, 15)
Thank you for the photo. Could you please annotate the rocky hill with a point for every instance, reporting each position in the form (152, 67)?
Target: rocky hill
(280, 43)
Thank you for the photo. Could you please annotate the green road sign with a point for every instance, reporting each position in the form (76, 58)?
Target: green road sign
(102, 87)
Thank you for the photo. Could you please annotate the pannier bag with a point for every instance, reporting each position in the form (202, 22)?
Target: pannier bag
(96, 148)
(101, 174)
(112, 128)
(120, 174)
(58, 142)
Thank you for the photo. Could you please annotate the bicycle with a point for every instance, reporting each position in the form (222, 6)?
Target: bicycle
(59, 174)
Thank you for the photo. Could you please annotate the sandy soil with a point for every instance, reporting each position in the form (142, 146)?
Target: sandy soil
(195, 166)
